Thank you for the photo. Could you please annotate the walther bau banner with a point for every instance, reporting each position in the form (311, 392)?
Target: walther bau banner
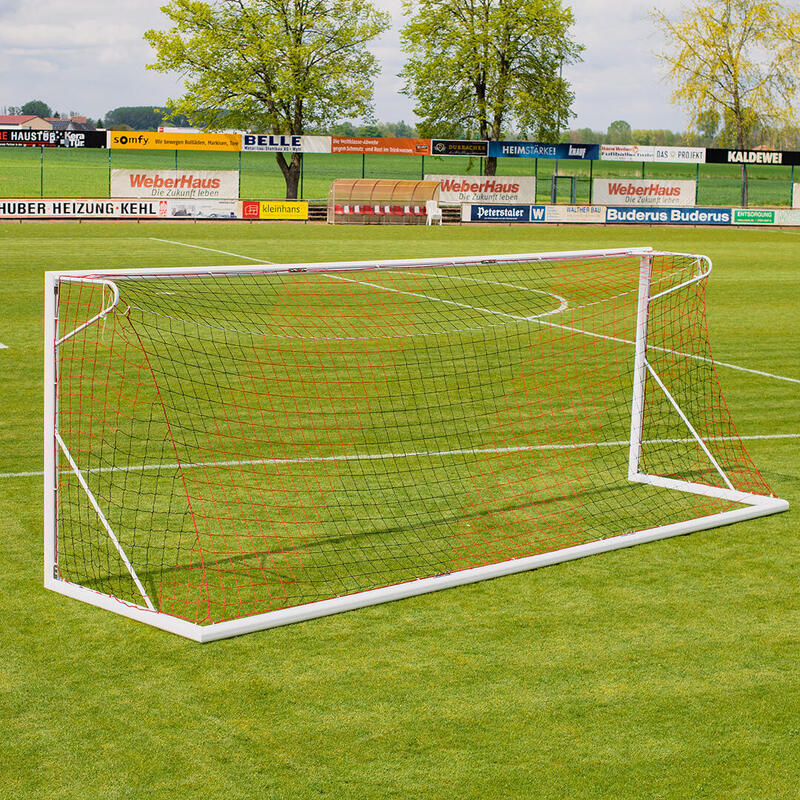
(457, 189)
(642, 192)
(174, 183)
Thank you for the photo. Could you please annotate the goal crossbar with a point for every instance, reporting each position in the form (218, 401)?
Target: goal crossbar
(645, 380)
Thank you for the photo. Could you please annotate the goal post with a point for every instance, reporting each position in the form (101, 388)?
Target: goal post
(229, 449)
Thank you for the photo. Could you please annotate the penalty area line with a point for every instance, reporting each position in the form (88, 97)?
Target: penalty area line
(399, 455)
(210, 249)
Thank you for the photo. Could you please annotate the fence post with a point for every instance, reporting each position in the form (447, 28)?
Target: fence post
(41, 171)
(696, 182)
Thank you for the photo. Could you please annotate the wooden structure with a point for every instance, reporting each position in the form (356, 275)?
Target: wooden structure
(370, 201)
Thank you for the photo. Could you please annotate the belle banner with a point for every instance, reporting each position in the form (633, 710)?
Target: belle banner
(457, 189)
(153, 140)
(207, 184)
(643, 192)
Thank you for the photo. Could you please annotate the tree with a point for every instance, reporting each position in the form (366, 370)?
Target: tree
(143, 118)
(38, 108)
(483, 67)
(273, 66)
(619, 132)
(739, 58)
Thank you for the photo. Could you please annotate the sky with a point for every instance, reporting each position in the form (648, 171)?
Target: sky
(88, 56)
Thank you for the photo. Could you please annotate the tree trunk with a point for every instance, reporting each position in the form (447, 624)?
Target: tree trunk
(291, 173)
(744, 186)
(490, 166)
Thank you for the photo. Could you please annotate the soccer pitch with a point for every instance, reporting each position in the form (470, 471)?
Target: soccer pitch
(667, 670)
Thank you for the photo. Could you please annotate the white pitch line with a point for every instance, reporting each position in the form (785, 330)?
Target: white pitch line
(211, 249)
(508, 316)
(3, 346)
(411, 454)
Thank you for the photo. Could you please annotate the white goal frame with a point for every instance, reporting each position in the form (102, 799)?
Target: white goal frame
(57, 456)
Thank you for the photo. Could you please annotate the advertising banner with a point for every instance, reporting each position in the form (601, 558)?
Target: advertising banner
(459, 147)
(118, 209)
(152, 140)
(753, 216)
(593, 215)
(586, 152)
(643, 192)
(669, 216)
(796, 195)
(457, 189)
(787, 216)
(716, 155)
(166, 183)
(652, 153)
(19, 137)
(378, 146)
(274, 209)
(494, 213)
(270, 143)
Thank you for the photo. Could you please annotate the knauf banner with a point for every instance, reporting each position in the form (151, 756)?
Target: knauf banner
(642, 192)
(457, 189)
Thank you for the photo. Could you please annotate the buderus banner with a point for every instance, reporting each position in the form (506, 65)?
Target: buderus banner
(669, 216)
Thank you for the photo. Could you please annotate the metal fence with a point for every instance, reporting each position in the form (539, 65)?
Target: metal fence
(65, 172)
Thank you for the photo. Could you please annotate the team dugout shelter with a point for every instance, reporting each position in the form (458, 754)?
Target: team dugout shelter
(383, 201)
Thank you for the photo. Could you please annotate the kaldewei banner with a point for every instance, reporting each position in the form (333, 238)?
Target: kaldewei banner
(378, 146)
(459, 147)
(642, 192)
(20, 137)
(118, 209)
(775, 158)
(586, 152)
(457, 189)
(652, 153)
(173, 183)
(669, 216)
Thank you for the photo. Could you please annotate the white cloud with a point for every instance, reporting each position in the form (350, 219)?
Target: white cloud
(89, 55)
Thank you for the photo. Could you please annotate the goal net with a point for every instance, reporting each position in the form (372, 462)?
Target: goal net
(233, 448)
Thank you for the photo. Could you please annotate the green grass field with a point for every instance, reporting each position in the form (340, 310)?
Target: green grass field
(62, 172)
(666, 670)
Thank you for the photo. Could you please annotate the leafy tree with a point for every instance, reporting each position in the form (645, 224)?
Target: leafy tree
(707, 124)
(619, 132)
(37, 108)
(278, 66)
(740, 58)
(142, 118)
(482, 67)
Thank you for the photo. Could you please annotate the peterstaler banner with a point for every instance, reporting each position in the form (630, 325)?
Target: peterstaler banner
(173, 183)
(457, 189)
(642, 192)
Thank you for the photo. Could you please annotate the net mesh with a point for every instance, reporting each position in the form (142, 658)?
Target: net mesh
(264, 440)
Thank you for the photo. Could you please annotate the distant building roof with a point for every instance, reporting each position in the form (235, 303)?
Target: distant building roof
(71, 124)
(16, 119)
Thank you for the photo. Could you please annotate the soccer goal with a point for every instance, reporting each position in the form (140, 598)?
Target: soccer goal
(229, 449)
